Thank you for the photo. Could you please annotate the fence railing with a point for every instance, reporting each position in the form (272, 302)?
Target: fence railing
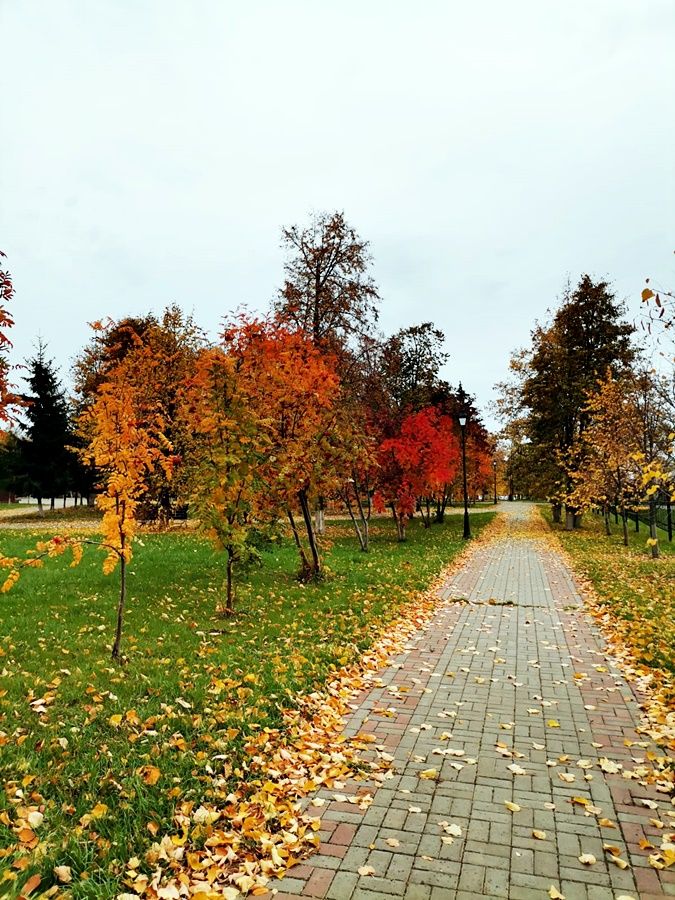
(663, 513)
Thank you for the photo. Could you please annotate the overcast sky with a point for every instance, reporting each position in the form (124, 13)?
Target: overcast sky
(151, 152)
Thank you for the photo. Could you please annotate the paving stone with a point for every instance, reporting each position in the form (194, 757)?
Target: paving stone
(516, 643)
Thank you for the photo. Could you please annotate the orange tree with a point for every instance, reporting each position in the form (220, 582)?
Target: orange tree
(291, 385)
(416, 463)
(125, 444)
(224, 459)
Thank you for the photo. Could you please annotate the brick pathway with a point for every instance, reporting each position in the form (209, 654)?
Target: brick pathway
(514, 677)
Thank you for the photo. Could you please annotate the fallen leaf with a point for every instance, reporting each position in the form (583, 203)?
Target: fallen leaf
(63, 873)
(366, 870)
(587, 859)
(513, 807)
(539, 835)
(555, 894)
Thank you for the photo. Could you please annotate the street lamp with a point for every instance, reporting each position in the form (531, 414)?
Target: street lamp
(494, 469)
(462, 425)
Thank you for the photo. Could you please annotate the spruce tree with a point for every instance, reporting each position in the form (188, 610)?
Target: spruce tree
(47, 460)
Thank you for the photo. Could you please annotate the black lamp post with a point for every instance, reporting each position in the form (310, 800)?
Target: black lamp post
(467, 526)
(494, 469)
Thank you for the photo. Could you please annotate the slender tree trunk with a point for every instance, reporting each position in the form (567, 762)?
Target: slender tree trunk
(52, 502)
(624, 523)
(120, 606)
(64, 501)
(427, 521)
(605, 512)
(304, 562)
(229, 597)
(569, 518)
(363, 517)
(315, 569)
(41, 510)
(576, 520)
(360, 536)
(400, 527)
(652, 529)
(556, 510)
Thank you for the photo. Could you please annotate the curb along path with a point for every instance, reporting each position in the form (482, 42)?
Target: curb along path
(506, 698)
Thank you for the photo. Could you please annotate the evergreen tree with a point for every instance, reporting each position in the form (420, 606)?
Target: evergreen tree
(47, 460)
(586, 338)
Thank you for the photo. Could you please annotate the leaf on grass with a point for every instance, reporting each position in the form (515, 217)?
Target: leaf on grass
(63, 874)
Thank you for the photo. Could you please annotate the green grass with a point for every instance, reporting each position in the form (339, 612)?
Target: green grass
(59, 514)
(636, 591)
(231, 676)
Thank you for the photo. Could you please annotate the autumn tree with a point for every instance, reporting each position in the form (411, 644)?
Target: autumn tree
(416, 464)
(292, 386)
(6, 322)
(411, 360)
(158, 355)
(126, 443)
(225, 459)
(552, 379)
(328, 292)
(606, 469)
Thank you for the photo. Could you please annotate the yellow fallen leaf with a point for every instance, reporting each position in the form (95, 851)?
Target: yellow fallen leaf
(513, 807)
(539, 835)
(149, 774)
(63, 874)
(366, 870)
(115, 720)
(555, 894)
(553, 723)
(587, 859)
(429, 774)
(393, 842)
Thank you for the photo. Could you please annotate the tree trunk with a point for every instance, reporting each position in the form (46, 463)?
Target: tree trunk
(624, 523)
(556, 510)
(362, 541)
(52, 503)
(569, 518)
(229, 597)
(362, 515)
(605, 512)
(652, 529)
(120, 606)
(400, 528)
(576, 521)
(41, 510)
(304, 562)
(64, 501)
(315, 569)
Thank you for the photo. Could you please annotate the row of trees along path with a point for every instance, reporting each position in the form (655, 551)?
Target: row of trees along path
(512, 736)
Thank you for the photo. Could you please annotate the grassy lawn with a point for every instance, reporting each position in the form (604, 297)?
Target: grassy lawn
(87, 738)
(635, 591)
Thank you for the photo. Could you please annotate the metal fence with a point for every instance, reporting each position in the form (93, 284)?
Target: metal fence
(662, 506)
